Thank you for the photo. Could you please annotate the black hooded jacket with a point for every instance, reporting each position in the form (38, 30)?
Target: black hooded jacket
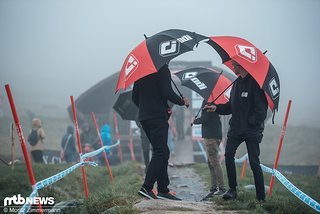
(152, 93)
(248, 106)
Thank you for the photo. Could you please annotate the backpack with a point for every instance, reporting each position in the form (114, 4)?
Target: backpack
(33, 137)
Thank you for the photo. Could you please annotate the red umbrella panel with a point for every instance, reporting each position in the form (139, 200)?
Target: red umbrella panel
(156, 51)
(251, 59)
(211, 84)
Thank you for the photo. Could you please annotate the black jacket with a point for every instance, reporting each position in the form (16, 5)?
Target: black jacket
(248, 106)
(151, 94)
(210, 124)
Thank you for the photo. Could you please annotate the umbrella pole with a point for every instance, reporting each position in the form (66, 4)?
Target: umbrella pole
(224, 90)
(215, 99)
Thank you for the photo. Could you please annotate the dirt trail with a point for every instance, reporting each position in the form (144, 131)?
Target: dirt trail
(187, 185)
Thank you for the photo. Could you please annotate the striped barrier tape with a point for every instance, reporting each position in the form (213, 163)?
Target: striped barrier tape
(297, 192)
(285, 182)
(48, 181)
(242, 159)
(98, 151)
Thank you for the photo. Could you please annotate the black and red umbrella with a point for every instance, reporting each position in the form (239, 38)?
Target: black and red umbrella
(251, 59)
(151, 54)
(208, 83)
(125, 107)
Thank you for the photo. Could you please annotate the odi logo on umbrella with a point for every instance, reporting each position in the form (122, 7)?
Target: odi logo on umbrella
(132, 65)
(172, 47)
(192, 77)
(246, 52)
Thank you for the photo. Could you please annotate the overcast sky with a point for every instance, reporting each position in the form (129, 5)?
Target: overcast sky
(51, 49)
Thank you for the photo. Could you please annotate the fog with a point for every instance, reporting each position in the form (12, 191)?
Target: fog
(52, 49)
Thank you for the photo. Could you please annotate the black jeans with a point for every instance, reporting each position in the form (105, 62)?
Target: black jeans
(157, 132)
(253, 149)
(37, 156)
(145, 144)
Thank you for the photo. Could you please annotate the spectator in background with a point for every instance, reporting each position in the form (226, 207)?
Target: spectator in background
(105, 133)
(36, 138)
(68, 145)
(172, 134)
(87, 139)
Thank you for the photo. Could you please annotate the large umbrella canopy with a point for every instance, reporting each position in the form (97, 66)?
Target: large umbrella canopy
(252, 60)
(125, 107)
(151, 54)
(208, 83)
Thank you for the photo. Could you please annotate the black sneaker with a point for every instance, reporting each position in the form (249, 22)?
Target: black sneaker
(147, 194)
(219, 191)
(230, 195)
(207, 197)
(167, 195)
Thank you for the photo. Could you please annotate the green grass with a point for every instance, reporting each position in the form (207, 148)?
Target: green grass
(281, 201)
(118, 196)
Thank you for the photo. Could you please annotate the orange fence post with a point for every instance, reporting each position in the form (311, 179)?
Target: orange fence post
(283, 131)
(22, 140)
(244, 168)
(74, 113)
(101, 144)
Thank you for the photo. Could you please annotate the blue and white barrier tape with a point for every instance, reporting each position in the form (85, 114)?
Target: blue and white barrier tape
(98, 151)
(48, 181)
(293, 189)
(297, 192)
(242, 159)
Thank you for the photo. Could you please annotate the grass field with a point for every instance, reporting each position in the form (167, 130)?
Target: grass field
(281, 201)
(119, 196)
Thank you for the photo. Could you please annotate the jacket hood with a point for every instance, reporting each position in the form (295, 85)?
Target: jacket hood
(36, 123)
(70, 129)
(105, 128)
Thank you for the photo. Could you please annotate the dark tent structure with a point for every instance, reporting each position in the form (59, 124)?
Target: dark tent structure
(98, 99)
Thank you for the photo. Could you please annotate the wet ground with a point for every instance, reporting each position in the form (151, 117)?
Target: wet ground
(183, 179)
(186, 183)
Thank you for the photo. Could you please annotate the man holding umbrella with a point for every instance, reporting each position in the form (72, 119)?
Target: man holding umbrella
(248, 106)
(151, 94)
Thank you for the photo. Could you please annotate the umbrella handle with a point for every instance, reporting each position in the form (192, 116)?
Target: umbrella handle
(196, 116)
(216, 98)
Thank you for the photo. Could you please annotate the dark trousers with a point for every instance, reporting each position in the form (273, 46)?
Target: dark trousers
(37, 156)
(253, 149)
(145, 144)
(157, 132)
